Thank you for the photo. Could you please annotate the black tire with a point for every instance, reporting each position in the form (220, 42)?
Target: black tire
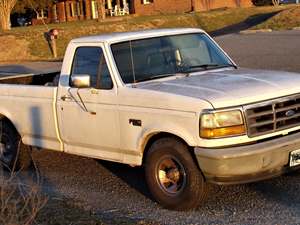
(187, 189)
(14, 155)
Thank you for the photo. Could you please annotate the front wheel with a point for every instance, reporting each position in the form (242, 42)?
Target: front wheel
(172, 176)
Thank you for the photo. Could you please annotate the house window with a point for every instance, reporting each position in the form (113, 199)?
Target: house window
(73, 9)
(78, 9)
(95, 10)
(41, 14)
(146, 2)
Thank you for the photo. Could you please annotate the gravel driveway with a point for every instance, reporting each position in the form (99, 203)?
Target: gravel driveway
(113, 190)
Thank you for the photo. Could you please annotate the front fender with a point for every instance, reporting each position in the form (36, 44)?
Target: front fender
(154, 129)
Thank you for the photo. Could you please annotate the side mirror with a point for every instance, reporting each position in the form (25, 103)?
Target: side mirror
(81, 80)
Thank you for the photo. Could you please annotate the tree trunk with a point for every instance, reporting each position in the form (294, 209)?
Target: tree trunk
(5, 20)
(6, 7)
(101, 10)
(275, 2)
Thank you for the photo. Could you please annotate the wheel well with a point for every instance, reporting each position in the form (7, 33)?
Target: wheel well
(6, 119)
(158, 136)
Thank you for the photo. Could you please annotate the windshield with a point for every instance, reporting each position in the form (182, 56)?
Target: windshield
(154, 58)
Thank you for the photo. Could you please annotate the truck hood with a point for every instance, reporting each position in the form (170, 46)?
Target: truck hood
(230, 87)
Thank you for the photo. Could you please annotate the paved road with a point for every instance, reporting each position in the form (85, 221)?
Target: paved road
(114, 190)
(276, 50)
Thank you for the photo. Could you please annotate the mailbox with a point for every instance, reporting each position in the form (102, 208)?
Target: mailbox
(53, 33)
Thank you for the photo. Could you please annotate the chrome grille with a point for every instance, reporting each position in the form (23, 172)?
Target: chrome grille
(272, 116)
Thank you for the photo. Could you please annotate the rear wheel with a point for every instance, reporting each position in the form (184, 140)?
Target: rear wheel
(14, 155)
(173, 177)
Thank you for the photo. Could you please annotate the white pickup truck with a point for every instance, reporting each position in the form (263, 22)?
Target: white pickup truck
(170, 100)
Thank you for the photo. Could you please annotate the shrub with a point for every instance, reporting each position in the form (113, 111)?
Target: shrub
(19, 202)
(265, 2)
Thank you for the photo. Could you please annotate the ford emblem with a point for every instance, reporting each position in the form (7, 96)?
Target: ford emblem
(290, 113)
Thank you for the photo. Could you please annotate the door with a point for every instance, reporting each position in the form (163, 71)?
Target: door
(88, 117)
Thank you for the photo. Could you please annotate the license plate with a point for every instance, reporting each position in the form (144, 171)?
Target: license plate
(295, 158)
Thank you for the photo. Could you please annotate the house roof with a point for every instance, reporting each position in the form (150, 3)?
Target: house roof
(125, 36)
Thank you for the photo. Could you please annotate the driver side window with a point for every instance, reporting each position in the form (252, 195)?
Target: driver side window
(91, 61)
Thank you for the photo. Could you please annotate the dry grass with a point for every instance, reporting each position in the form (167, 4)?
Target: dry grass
(12, 47)
(36, 48)
(23, 204)
(286, 19)
(20, 203)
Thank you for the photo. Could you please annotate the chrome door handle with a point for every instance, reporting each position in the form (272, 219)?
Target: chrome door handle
(65, 97)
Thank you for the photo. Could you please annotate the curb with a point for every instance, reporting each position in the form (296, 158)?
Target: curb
(256, 31)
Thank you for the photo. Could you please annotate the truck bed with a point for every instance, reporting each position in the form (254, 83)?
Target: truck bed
(27, 96)
(34, 73)
(45, 79)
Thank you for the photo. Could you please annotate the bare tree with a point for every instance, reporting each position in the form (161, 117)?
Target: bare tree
(6, 6)
(101, 9)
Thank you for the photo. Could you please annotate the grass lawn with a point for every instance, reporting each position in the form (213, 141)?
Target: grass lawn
(30, 40)
(286, 19)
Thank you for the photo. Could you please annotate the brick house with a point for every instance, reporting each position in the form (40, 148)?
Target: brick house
(72, 10)
(149, 7)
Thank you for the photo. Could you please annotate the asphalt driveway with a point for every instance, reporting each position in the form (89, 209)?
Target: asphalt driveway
(274, 51)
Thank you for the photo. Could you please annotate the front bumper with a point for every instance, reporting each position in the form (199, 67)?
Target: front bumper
(248, 163)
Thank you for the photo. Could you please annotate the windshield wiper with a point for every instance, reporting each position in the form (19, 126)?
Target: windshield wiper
(190, 69)
(206, 66)
(154, 77)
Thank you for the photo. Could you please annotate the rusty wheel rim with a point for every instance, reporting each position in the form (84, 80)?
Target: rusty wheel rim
(171, 175)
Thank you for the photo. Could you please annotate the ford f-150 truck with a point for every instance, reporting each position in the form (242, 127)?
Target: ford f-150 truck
(170, 100)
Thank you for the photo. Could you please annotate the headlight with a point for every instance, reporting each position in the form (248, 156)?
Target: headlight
(222, 124)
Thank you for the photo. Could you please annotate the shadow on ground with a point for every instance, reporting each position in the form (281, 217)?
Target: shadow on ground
(273, 190)
(133, 176)
(246, 24)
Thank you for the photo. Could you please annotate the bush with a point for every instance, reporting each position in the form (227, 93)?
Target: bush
(19, 203)
(262, 2)
(265, 2)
